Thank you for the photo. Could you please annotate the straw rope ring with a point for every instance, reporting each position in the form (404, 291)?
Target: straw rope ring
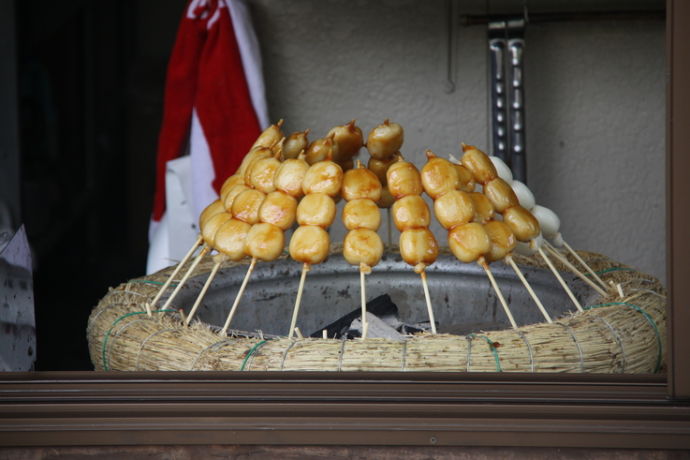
(611, 336)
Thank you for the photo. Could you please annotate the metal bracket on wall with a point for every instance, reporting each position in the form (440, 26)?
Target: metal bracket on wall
(506, 80)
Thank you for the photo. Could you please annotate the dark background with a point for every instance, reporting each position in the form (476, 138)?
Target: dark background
(90, 77)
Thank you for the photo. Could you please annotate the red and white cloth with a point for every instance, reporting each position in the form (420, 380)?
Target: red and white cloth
(214, 109)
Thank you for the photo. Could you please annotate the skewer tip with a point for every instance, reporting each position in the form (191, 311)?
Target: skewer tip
(466, 147)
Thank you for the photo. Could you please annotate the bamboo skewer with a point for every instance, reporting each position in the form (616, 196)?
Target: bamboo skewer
(172, 276)
(389, 229)
(531, 292)
(574, 269)
(238, 297)
(298, 300)
(560, 279)
(202, 293)
(584, 264)
(619, 288)
(363, 297)
(501, 299)
(432, 320)
(205, 250)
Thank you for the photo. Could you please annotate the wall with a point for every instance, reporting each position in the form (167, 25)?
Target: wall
(595, 103)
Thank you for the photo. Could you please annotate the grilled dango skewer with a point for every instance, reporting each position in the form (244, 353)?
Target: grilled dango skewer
(385, 139)
(295, 143)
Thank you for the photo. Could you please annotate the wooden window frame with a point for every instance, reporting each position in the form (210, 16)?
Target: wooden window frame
(422, 409)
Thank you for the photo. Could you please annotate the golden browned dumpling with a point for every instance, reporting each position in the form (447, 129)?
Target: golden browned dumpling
(253, 155)
(231, 194)
(211, 225)
(500, 194)
(502, 240)
(230, 182)
(466, 178)
(479, 164)
(230, 239)
(270, 136)
(262, 174)
(295, 143)
(403, 179)
(454, 208)
(418, 246)
(362, 246)
(309, 245)
(246, 206)
(362, 213)
(211, 210)
(386, 200)
(316, 209)
(385, 139)
(523, 224)
(483, 209)
(321, 150)
(265, 241)
(348, 140)
(289, 177)
(278, 209)
(469, 242)
(360, 183)
(410, 212)
(323, 177)
(438, 176)
(380, 167)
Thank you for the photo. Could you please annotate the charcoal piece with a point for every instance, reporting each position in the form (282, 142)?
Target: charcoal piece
(409, 329)
(377, 328)
(381, 306)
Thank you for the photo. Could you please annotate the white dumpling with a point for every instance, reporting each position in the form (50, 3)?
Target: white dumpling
(529, 248)
(524, 249)
(502, 169)
(524, 195)
(548, 221)
(557, 240)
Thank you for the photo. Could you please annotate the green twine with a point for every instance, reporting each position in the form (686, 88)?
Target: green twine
(612, 269)
(112, 326)
(157, 283)
(251, 351)
(649, 319)
(493, 349)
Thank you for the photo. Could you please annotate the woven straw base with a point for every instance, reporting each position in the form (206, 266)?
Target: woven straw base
(616, 335)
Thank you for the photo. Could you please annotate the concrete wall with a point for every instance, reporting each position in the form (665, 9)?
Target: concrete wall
(595, 103)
